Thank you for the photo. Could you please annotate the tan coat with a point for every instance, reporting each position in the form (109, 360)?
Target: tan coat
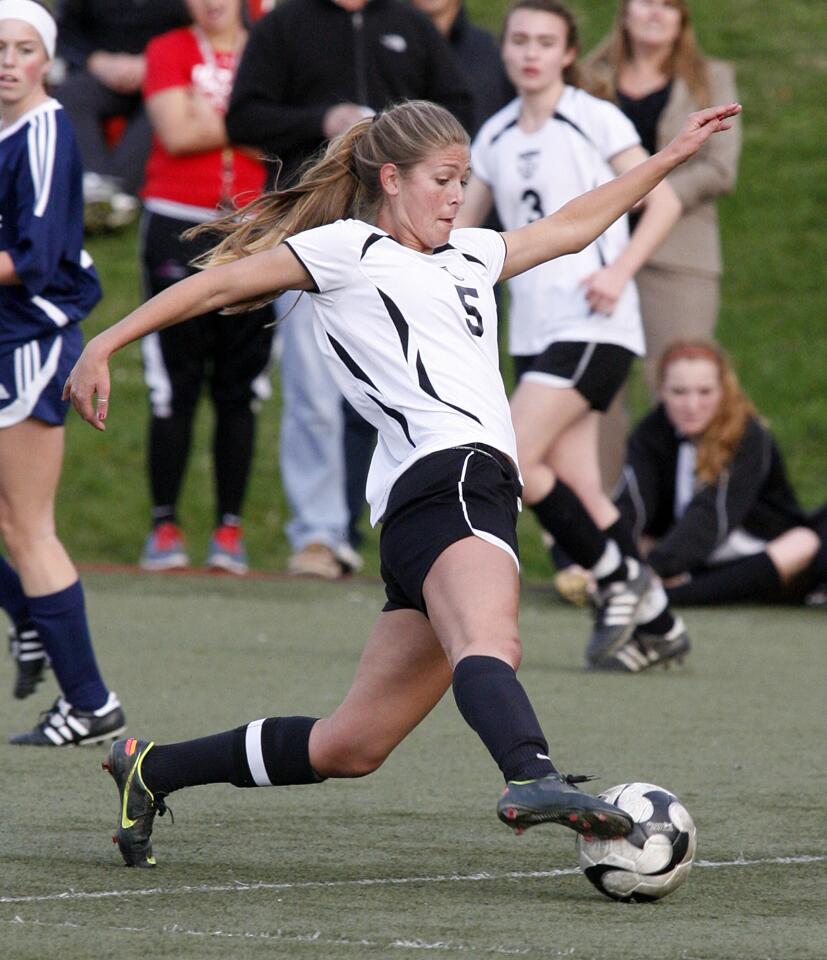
(694, 244)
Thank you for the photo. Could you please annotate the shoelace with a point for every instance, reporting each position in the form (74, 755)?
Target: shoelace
(572, 778)
(162, 808)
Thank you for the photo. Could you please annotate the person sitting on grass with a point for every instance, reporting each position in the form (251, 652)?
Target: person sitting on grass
(405, 315)
(706, 490)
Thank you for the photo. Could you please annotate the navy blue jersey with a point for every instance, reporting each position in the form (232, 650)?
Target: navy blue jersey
(41, 227)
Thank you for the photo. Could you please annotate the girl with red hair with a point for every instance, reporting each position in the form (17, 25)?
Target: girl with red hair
(707, 492)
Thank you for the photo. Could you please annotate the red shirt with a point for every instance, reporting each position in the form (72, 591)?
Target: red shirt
(176, 59)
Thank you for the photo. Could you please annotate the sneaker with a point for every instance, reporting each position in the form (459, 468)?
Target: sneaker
(164, 549)
(65, 726)
(647, 650)
(350, 560)
(226, 550)
(315, 560)
(29, 657)
(138, 804)
(555, 799)
(105, 206)
(662, 649)
(615, 606)
(573, 584)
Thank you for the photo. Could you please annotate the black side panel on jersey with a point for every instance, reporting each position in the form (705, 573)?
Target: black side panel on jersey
(399, 321)
(428, 387)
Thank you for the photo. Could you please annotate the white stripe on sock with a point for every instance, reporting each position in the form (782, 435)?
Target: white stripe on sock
(255, 758)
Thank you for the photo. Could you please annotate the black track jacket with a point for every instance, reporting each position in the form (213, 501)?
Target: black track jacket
(752, 492)
(306, 56)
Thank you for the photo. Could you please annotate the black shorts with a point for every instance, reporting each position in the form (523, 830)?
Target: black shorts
(465, 491)
(595, 370)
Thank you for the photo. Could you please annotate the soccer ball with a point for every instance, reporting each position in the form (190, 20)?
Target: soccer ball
(651, 861)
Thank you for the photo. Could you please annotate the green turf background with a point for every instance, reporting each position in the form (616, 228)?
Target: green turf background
(772, 318)
(737, 733)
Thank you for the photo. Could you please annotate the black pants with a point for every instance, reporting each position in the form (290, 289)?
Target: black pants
(88, 103)
(230, 353)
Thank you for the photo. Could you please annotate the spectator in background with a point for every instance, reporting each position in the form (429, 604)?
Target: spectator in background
(311, 69)
(477, 55)
(575, 324)
(48, 285)
(192, 173)
(707, 493)
(101, 60)
(651, 66)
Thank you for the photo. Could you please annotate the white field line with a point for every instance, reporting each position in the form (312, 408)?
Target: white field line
(374, 881)
(315, 937)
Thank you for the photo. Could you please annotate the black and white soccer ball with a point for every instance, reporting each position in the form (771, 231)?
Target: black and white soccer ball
(651, 861)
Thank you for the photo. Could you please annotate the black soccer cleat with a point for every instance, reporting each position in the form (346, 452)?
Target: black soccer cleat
(555, 799)
(138, 803)
(663, 649)
(615, 608)
(30, 658)
(65, 726)
(647, 650)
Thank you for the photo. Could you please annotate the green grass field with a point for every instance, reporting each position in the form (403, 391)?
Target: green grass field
(412, 861)
(772, 317)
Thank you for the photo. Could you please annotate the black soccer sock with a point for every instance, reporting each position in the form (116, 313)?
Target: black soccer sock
(495, 705)
(567, 520)
(621, 534)
(752, 578)
(264, 753)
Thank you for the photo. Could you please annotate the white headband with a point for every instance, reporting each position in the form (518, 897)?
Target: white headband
(32, 13)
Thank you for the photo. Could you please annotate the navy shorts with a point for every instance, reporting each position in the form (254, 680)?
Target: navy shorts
(465, 491)
(596, 370)
(32, 376)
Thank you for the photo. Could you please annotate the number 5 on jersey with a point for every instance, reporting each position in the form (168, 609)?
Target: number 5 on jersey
(473, 317)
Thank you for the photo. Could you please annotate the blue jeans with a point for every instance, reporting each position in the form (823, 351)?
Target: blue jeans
(311, 451)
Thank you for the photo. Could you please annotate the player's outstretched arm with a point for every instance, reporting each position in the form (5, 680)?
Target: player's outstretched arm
(575, 225)
(258, 275)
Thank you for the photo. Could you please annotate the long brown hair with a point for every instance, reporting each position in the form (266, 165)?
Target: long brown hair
(343, 180)
(720, 440)
(571, 74)
(602, 65)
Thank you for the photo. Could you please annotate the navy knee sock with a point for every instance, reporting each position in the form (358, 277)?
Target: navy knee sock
(563, 515)
(12, 598)
(60, 619)
(752, 578)
(495, 705)
(264, 753)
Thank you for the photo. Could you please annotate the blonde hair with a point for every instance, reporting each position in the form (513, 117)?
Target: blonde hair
(720, 440)
(686, 60)
(571, 74)
(343, 180)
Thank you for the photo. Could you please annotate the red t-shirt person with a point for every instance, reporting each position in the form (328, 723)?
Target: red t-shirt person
(184, 58)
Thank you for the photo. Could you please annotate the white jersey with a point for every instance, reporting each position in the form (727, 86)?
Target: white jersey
(411, 340)
(534, 174)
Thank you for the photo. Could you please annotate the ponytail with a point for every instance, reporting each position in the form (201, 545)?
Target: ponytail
(328, 189)
(341, 181)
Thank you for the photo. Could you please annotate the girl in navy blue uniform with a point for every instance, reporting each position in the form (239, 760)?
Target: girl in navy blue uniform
(404, 314)
(48, 285)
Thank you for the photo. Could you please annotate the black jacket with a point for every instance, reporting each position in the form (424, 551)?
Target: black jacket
(117, 26)
(753, 493)
(306, 56)
(477, 55)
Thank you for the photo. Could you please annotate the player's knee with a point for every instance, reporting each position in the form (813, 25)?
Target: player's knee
(357, 761)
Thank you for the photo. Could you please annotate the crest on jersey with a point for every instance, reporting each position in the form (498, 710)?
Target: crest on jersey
(528, 162)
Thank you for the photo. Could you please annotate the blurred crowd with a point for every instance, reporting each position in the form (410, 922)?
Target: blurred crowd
(185, 109)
